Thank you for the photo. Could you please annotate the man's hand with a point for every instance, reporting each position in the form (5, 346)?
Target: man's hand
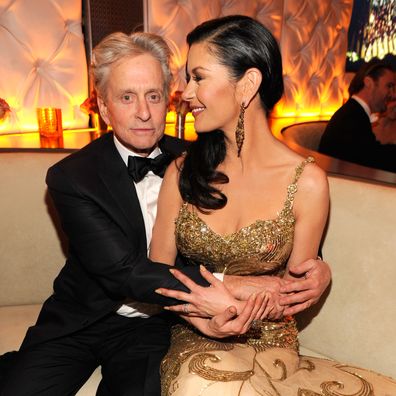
(288, 297)
(301, 293)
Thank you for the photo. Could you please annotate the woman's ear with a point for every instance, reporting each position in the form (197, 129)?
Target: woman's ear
(249, 85)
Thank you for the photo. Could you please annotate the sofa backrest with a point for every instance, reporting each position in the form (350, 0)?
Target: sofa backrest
(358, 317)
(31, 251)
(305, 134)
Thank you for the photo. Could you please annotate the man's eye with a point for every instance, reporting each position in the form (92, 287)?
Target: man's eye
(126, 98)
(154, 97)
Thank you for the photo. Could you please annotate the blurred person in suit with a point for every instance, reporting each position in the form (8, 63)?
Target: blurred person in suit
(349, 135)
(385, 128)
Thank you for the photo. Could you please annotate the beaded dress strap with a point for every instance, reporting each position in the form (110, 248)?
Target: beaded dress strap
(292, 188)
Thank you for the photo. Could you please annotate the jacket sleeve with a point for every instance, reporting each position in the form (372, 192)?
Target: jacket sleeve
(102, 248)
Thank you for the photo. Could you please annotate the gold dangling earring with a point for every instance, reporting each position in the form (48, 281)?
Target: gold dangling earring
(240, 129)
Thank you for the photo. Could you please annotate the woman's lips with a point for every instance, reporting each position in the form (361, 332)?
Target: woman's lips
(196, 111)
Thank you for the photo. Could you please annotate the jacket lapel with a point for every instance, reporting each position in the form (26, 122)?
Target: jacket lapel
(114, 174)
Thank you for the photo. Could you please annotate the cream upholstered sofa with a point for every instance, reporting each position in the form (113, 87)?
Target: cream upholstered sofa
(354, 324)
(31, 246)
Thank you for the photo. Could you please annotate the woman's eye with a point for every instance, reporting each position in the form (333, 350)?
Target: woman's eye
(197, 78)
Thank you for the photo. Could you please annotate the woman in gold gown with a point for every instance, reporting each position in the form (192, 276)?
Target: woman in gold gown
(240, 202)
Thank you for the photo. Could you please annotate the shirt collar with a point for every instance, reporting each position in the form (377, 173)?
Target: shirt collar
(125, 152)
(373, 117)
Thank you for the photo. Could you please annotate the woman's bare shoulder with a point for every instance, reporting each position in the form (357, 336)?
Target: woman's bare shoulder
(311, 174)
(313, 179)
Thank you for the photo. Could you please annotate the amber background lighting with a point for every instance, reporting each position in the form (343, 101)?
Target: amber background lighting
(312, 35)
(49, 121)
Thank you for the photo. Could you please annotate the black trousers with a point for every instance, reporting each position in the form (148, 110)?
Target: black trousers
(129, 351)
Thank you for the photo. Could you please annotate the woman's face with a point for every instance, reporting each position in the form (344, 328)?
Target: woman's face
(210, 92)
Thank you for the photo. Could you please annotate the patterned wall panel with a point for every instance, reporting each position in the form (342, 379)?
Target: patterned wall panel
(43, 62)
(313, 44)
(312, 35)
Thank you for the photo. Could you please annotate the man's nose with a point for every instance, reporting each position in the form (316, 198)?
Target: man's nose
(143, 110)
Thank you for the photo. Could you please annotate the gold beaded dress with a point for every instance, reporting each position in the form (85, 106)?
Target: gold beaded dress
(265, 361)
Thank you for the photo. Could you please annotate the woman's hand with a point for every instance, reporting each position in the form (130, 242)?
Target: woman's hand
(274, 310)
(228, 323)
(202, 301)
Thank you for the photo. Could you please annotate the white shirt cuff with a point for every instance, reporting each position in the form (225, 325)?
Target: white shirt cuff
(219, 276)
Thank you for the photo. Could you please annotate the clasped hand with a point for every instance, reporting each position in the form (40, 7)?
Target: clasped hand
(207, 302)
(219, 311)
(214, 310)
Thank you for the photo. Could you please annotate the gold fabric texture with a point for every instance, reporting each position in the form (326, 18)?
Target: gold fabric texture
(264, 361)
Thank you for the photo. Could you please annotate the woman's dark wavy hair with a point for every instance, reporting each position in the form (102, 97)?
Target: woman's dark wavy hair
(239, 43)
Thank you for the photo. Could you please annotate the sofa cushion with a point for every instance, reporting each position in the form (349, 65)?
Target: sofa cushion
(14, 321)
(309, 352)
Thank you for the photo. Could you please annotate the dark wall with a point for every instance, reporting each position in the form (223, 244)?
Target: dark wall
(102, 17)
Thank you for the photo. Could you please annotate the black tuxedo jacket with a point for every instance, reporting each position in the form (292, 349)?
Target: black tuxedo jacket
(107, 260)
(349, 136)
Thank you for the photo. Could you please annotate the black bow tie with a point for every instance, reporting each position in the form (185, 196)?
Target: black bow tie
(138, 167)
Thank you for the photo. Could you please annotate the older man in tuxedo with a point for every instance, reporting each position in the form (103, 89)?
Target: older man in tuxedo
(106, 195)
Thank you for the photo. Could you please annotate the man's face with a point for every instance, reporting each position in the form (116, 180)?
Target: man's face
(382, 91)
(135, 105)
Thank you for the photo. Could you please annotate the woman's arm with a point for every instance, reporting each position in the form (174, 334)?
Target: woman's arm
(163, 243)
(311, 206)
(307, 277)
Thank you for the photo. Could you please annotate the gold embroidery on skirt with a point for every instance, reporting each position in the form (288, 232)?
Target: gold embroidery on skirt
(188, 343)
(306, 392)
(365, 390)
(331, 388)
(309, 365)
(198, 366)
(280, 363)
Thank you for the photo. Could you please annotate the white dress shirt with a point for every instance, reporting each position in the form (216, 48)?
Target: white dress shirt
(147, 191)
(372, 116)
